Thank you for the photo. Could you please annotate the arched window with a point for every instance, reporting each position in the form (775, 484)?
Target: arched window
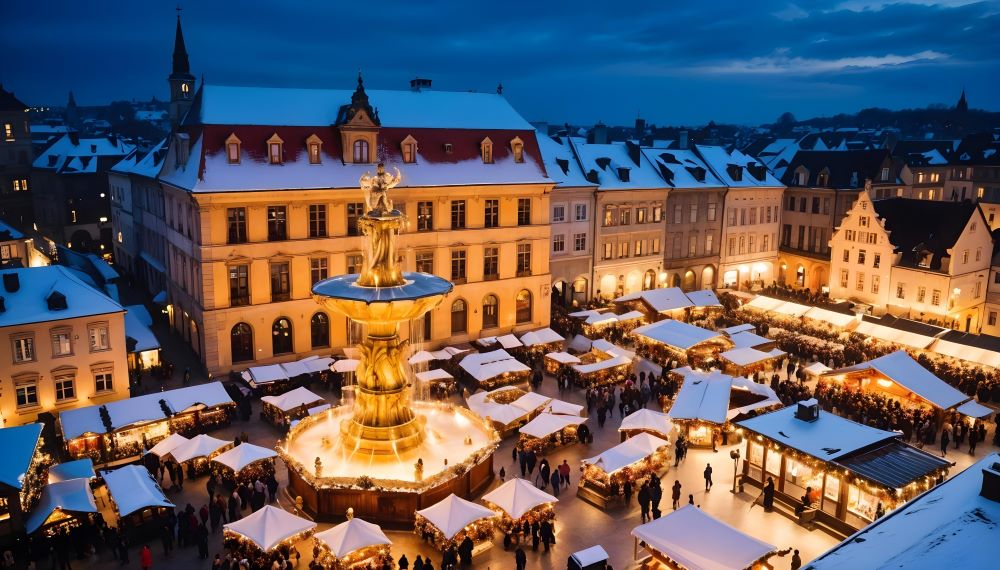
(241, 342)
(281, 336)
(360, 151)
(459, 316)
(522, 306)
(491, 306)
(320, 327)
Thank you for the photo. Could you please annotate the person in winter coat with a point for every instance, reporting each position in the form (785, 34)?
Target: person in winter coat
(554, 479)
(675, 494)
(708, 477)
(644, 501)
(520, 559)
(944, 442)
(769, 494)
(146, 558)
(544, 472)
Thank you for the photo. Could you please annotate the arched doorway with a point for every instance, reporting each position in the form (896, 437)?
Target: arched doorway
(319, 327)
(491, 312)
(241, 342)
(459, 317)
(649, 280)
(689, 283)
(633, 282)
(708, 278)
(800, 276)
(522, 306)
(580, 290)
(560, 293)
(675, 280)
(781, 273)
(607, 286)
(281, 336)
(731, 279)
(195, 341)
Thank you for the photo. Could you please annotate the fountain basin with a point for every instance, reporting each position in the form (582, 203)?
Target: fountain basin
(419, 293)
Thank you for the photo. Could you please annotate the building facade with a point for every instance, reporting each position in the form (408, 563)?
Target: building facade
(16, 155)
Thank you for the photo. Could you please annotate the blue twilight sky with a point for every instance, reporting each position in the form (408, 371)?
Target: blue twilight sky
(672, 61)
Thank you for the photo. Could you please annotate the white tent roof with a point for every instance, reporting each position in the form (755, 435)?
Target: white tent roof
(351, 536)
(675, 333)
(517, 496)
(19, 444)
(546, 424)
(563, 408)
(839, 320)
(661, 300)
(747, 339)
(531, 401)
(703, 396)
(591, 555)
(486, 365)
(882, 332)
(770, 398)
(817, 368)
(632, 450)
(770, 304)
(745, 327)
(967, 352)
(269, 526)
(242, 455)
(436, 374)
(292, 399)
(509, 341)
(132, 489)
(199, 446)
(296, 368)
(73, 495)
(609, 348)
(747, 356)
(316, 364)
(346, 365)
(580, 343)
(541, 336)
(696, 540)
(420, 357)
(563, 357)
(974, 409)
(602, 364)
(646, 419)
(704, 298)
(453, 514)
(167, 444)
(902, 369)
(77, 469)
(267, 373)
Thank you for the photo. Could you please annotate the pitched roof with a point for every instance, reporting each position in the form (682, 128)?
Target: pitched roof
(560, 163)
(924, 225)
(617, 166)
(71, 154)
(736, 169)
(8, 102)
(847, 168)
(30, 302)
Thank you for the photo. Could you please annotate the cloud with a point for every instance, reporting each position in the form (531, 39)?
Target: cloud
(780, 63)
(791, 12)
(877, 5)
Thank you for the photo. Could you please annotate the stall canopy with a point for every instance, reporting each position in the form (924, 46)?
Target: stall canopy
(352, 536)
(436, 374)
(541, 336)
(647, 420)
(609, 348)
(242, 455)
(293, 399)
(142, 409)
(676, 334)
(505, 341)
(420, 357)
(770, 304)
(747, 339)
(766, 397)
(579, 344)
(704, 298)
(593, 555)
(133, 489)
(817, 369)
(694, 539)
(19, 445)
(981, 349)
(168, 444)
(517, 497)
(564, 408)
(546, 424)
(901, 331)
(632, 450)
(745, 327)
(199, 446)
(974, 409)
(78, 469)
(269, 526)
(71, 496)
(563, 357)
(137, 329)
(839, 320)
(446, 353)
(485, 365)
(900, 368)
(748, 356)
(703, 396)
(453, 514)
(531, 401)
(346, 365)
(612, 362)
(265, 374)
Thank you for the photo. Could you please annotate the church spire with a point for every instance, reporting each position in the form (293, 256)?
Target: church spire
(180, 79)
(963, 104)
(181, 65)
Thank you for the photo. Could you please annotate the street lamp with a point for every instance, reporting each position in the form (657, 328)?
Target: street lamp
(735, 455)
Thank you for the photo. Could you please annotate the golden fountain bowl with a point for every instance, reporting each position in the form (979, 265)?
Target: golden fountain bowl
(419, 293)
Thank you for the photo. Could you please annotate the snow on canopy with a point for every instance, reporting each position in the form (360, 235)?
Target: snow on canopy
(485, 365)
(242, 455)
(351, 536)
(265, 374)
(584, 558)
(694, 539)
(920, 337)
(974, 409)
(661, 300)
(435, 374)
(817, 368)
(747, 339)
(834, 318)
(541, 336)
(628, 452)
(445, 353)
(704, 298)
(767, 396)
(649, 420)
(546, 424)
(269, 527)
(505, 341)
(826, 438)
(292, 399)
(770, 304)
(563, 357)
(19, 445)
(746, 327)
(560, 407)
(199, 446)
(612, 362)
(346, 365)
(71, 496)
(747, 356)
(168, 444)
(77, 469)
(517, 497)
(138, 331)
(703, 396)
(452, 514)
(133, 489)
(676, 334)
(901, 368)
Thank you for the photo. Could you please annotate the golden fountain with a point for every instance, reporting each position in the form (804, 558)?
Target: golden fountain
(385, 442)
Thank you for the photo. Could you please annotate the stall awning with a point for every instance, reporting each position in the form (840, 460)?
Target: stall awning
(546, 424)
(293, 399)
(200, 446)
(242, 455)
(703, 396)
(745, 327)
(628, 452)
(266, 374)
(767, 396)
(676, 334)
(894, 464)
(605, 364)
(18, 444)
(660, 300)
(748, 356)
(352, 536)
(436, 374)
(704, 298)
(964, 347)
(770, 304)
(816, 369)
(839, 320)
(531, 401)
(563, 408)
(269, 526)
(747, 339)
(541, 336)
(132, 489)
(486, 365)
(517, 497)
(612, 349)
(78, 469)
(453, 514)
(974, 409)
(72, 496)
(646, 419)
(563, 357)
(168, 444)
(694, 539)
(901, 368)
(346, 365)
(901, 331)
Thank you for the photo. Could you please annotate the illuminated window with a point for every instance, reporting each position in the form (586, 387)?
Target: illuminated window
(26, 392)
(314, 153)
(24, 349)
(491, 306)
(233, 149)
(936, 297)
(8, 131)
(275, 150)
(425, 216)
(185, 88)
(409, 148)
(518, 148)
(459, 316)
(99, 337)
(360, 152)
(62, 342)
(486, 150)
(103, 381)
(523, 306)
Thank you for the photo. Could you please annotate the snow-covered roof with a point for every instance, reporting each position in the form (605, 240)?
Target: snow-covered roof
(29, 304)
(556, 406)
(265, 374)
(816, 368)
(19, 445)
(588, 556)
(826, 438)
(891, 334)
(435, 374)
(168, 444)
(951, 524)
(137, 330)
(242, 455)
(703, 396)
(661, 300)
(485, 365)
(531, 401)
(721, 161)
(768, 397)
(132, 488)
(745, 327)
(560, 162)
(770, 304)
(974, 409)
(71, 496)
(71, 154)
(346, 365)
(836, 319)
(694, 539)
(605, 364)
(608, 347)
(747, 339)
(201, 445)
(140, 409)
(682, 168)
(628, 452)
(704, 298)
(747, 356)
(646, 419)
(452, 514)
(76, 469)
(563, 357)
(546, 424)
(8, 232)
(605, 160)
(292, 399)
(677, 334)
(901, 368)
(517, 496)
(967, 352)
(351, 536)
(269, 526)
(541, 336)
(580, 343)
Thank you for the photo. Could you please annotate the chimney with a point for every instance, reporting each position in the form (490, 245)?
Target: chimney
(11, 282)
(991, 482)
(600, 133)
(74, 137)
(682, 140)
(183, 148)
(807, 410)
(418, 84)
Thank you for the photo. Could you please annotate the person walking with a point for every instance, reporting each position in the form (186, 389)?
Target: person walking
(796, 560)
(627, 491)
(944, 442)
(146, 558)
(769, 494)
(543, 473)
(520, 559)
(554, 479)
(675, 494)
(564, 470)
(708, 477)
(655, 494)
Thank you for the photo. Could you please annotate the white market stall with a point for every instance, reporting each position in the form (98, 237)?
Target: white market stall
(60, 503)
(78, 469)
(449, 521)
(646, 421)
(493, 369)
(440, 382)
(353, 544)
(247, 462)
(266, 530)
(555, 361)
(167, 444)
(549, 431)
(517, 501)
(706, 401)
(292, 405)
(631, 461)
(542, 339)
(669, 340)
(136, 497)
(746, 361)
(199, 450)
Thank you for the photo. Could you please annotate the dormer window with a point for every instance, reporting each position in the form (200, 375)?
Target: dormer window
(361, 152)
(409, 149)
(735, 172)
(447, 148)
(623, 174)
(885, 175)
(275, 149)
(314, 146)
(517, 147)
(233, 149)
(823, 179)
(486, 149)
